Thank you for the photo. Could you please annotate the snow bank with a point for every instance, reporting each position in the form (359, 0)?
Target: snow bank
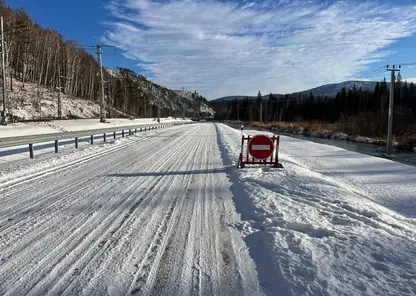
(18, 165)
(36, 128)
(332, 222)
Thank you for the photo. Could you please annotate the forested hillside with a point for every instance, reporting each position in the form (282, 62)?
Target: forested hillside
(43, 57)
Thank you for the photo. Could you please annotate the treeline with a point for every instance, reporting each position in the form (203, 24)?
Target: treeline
(361, 112)
(42, 56)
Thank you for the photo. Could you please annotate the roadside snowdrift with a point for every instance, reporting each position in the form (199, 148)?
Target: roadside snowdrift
(332, 222)
(54, 126)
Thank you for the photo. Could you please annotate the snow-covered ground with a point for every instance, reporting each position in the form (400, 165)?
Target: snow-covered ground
(54, 126)
(149, 218)
(167, 213)
(332, 222)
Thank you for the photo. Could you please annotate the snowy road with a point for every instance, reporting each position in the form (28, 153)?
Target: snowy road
(148, 219)
(168, 213)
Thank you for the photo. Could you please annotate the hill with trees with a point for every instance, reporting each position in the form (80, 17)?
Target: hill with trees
(43, 57)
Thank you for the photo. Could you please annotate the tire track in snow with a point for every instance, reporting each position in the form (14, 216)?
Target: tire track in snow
(91, 217)
(126, 229)
(146, 274)
(174, 257)
(54, 205)
(43, 196)
(200, 258)
(16, 183)
(43, 182)
(155, 186)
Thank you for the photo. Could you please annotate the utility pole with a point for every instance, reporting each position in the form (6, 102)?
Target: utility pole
(99, 48)
(393, 69)
(180, 101)
(3, 67)
(261, 114)
(261, 110)
(102, 106)
(59, 93)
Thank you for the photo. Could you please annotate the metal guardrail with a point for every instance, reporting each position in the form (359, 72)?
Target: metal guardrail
(56, 137)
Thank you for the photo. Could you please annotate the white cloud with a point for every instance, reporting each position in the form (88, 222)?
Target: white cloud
(222, 48)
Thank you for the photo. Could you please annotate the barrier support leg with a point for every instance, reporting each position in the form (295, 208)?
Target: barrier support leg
(114, 135)
(56, 146)
(241, 164)
(31, 154)
(76, 143)
(276, 158)
(92, 140)
(104, 137)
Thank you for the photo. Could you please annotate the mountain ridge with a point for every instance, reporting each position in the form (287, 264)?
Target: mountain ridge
(329, 90)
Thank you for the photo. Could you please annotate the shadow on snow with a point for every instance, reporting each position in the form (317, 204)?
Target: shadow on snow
(270, 277)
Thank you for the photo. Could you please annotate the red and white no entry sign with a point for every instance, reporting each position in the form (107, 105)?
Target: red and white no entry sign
(260, 147)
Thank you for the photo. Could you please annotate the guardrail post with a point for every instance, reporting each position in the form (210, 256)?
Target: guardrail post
(129, 132)
(122, 133)
(56, 146)
(140, 129)
(31, 150)
(144, 128)
(135, 130)
(92, 139)
(76, 143)
(104, 137)
(114, 135)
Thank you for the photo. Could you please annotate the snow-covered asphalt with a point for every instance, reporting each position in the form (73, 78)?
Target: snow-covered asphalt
(169, 214)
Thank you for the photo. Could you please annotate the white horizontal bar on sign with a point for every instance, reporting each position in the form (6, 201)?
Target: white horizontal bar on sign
(260, 147)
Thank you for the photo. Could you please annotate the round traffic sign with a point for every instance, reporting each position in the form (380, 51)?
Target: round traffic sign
(260, 147)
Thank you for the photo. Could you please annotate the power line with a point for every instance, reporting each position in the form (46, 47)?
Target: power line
(83, 57)
(372, 72)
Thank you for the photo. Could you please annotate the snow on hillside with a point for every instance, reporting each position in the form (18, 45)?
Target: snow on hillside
(164, 97)
(196, 103)
(33, 102)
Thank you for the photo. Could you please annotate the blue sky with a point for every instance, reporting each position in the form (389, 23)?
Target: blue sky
(221, 47)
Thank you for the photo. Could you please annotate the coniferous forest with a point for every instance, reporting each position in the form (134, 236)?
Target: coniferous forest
(356, 111)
